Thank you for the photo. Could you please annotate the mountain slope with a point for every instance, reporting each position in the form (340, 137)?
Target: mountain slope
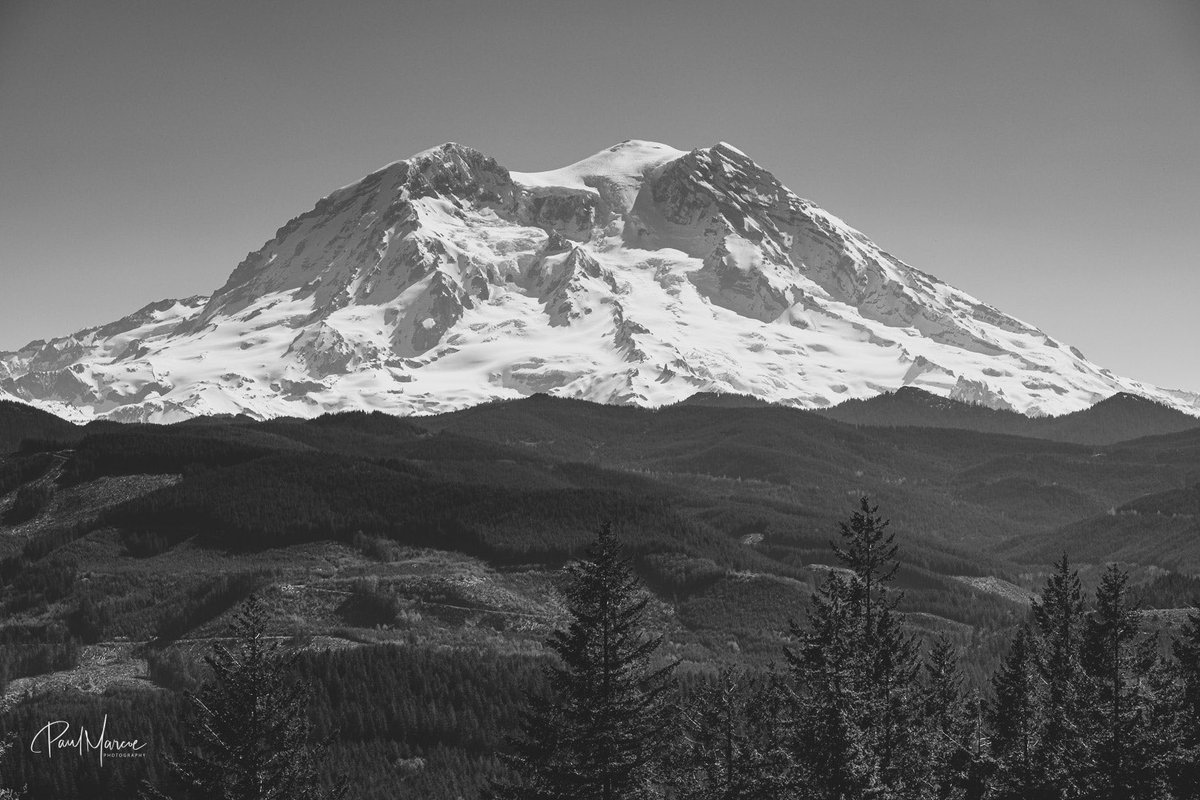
(19, 421)
(640, 275)
(1119, 418)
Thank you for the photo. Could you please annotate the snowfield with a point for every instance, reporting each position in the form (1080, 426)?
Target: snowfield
(641, 275)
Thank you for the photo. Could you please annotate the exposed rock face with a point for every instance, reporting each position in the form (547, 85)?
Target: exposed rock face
(322, 351)
(569, 214)
(735, 280)
(641, 275)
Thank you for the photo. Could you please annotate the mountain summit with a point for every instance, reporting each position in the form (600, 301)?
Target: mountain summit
(641, 275)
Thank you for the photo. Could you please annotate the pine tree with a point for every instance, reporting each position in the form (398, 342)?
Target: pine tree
(1040, 719)
(855, 672)
(1185, 760)
(1127, 743)
(767, 709)
(248, 727)
(602, 730)
(8, 793)
(1063, 754)
(1015, 718)
(947, 750)
(730, 743)
(829, 743)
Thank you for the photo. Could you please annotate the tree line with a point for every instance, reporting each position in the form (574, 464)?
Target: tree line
(1086, 703)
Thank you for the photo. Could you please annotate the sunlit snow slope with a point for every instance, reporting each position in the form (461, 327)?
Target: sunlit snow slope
(640, 275)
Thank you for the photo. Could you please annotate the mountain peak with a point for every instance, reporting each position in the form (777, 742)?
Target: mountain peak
(625, 161)
(641, 274)
(1125, 402)
(726, 147)
(640, 145)
(445, 148)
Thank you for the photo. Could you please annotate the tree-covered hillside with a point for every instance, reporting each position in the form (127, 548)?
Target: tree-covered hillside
(123, 548)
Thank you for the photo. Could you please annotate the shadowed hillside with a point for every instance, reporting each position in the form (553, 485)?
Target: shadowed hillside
(19, 421)
(1118, 418)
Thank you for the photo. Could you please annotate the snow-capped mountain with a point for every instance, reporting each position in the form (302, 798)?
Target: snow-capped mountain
(642, 274)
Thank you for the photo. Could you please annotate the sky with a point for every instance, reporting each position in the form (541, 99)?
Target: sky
(1044, 157)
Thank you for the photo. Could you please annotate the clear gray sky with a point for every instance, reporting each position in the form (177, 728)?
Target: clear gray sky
(1044, 156)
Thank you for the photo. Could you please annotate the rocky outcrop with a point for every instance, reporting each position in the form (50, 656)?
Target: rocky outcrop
(737, 282)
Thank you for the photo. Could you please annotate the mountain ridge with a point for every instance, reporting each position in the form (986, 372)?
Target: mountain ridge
(1119, 417)
(640, 275)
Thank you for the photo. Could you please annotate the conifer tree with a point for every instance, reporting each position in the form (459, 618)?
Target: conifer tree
(248, 727)
(8, 793)
(730, 744)
(855, 670)
(1015, 718)
(601, 732)
(947, 729)
(1040, 718)
(767, 710)
(1185, 760)
(828, 741)
(1063, 756)
(717, 752)
(1127, 744)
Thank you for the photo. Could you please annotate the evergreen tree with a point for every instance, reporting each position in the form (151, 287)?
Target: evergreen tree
(1127, 744)
(1063, 753)
(601, 731)
(248, 727)
(770, 722)
(855, 671)
(947, 743)
(1040, 718)
(8, 793)
(730, 748)
(1015, 718)
(1185, 760)
(829, 744)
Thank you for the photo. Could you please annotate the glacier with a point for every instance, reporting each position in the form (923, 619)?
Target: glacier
(640, 275)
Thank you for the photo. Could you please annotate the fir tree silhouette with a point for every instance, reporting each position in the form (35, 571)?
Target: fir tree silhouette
(602, 730)
(855, 673)
(248, 727)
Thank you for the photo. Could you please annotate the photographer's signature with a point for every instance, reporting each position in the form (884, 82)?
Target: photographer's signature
(57, 735)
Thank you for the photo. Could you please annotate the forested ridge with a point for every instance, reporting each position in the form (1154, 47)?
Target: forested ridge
(1087, 702)
(430, 547)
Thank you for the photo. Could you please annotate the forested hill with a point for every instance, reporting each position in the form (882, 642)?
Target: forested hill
(125, 546)
(19, 421)
(1115, 419)
(748, 487)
